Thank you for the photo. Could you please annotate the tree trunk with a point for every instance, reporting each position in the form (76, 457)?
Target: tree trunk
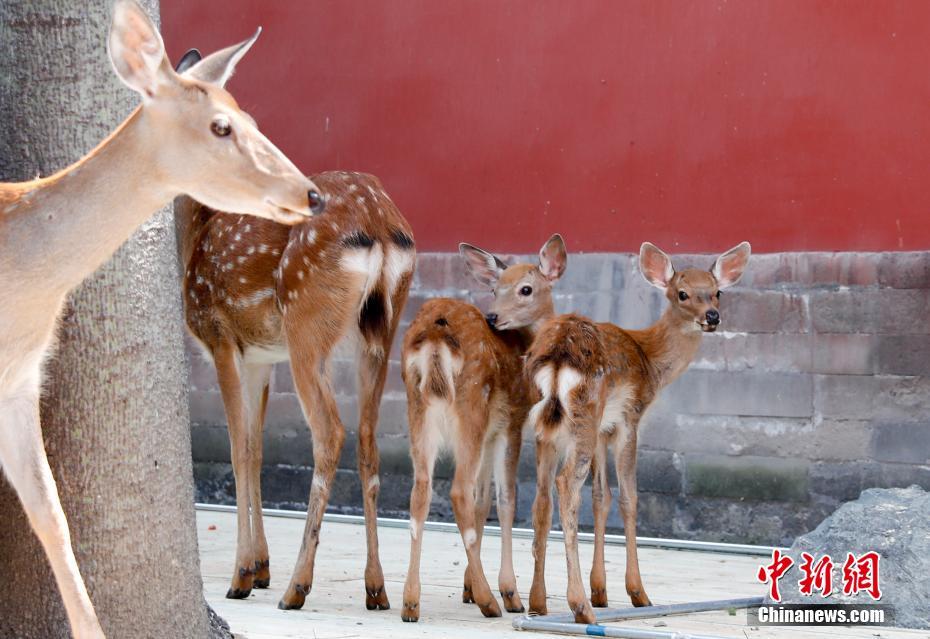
(115, 411)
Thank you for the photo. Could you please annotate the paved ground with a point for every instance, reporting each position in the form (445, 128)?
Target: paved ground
(336, 607)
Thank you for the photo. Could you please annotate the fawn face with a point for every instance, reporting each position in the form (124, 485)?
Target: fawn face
(522, 292)
(206, 146)
(694, 294)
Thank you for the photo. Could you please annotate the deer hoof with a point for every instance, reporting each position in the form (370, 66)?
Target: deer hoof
(411, 612)
(376, 599)
(599, 598)
(238, 593)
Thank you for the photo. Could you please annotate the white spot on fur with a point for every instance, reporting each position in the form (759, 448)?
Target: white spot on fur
(360, 200)
(255, 298)
(300, 275)
(470, 537)
(353, 188)
(374, 482)
(310, 237)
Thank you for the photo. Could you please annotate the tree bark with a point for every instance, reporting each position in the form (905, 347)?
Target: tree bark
(115, 411)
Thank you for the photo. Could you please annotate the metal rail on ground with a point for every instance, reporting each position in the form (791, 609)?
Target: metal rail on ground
(520, 533)
(564, 624)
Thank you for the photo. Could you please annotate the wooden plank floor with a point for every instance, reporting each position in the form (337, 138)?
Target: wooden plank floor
(335, 608)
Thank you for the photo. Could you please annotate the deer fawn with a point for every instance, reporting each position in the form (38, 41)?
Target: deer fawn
(466, 392)
(188, 136)
(257, 293)
(593, 382)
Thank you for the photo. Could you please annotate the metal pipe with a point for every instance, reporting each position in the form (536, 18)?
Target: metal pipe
(521, 533)
(594, 630)
(648, 612)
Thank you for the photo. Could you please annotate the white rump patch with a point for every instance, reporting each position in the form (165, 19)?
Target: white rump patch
(397, 264)
(569, 378)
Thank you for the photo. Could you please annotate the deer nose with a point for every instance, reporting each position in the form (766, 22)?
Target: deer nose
(713, 317)
(491, 319)
(317, 203)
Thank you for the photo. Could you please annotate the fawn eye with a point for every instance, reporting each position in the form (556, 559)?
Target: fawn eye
(220, 127)
(682, 296)
(526, 290)
(718, 295)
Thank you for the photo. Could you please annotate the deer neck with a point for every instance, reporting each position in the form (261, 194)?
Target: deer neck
(57, 230)
(670, 345)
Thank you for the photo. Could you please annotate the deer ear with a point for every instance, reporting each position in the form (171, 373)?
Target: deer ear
(655, 265)
(553, 258)
(219, 66)
(188, 60)
(137, 51)
(729, 267)
(485, 268)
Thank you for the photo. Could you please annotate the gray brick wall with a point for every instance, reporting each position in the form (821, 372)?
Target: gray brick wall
(815, 389)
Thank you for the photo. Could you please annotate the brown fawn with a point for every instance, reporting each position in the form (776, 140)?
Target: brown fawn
(591, 384)
(466, 392)
(188, 136)
(257, 293)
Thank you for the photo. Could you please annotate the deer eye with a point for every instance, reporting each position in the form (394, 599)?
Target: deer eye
(718, 295)
(682, 296)
(526, 290)
(220, 126)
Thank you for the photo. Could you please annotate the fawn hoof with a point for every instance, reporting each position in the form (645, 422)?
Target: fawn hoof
(238, 593)
(376, 599)
(639, 599)
(490, 609)
(294, 598)
(262, 574)
(599, 597)
(467, 597)
(512, 601)
(584, 613)
(538, 608)
(411, 612)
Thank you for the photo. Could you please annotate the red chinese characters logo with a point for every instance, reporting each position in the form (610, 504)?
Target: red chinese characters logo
(859, 574)
(773, 572)
(817, 576)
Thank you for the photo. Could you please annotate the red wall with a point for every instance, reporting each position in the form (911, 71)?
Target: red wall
(796, 125)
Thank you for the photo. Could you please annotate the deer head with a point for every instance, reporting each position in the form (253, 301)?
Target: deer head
(694, 294)
(522, 292)
(205, 146)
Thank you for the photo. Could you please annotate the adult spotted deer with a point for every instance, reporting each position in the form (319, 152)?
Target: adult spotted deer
(188, 136)
(257, 293)
(466, 392)
(591, 384)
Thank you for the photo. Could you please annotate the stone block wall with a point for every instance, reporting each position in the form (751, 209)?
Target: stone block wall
(814, 389)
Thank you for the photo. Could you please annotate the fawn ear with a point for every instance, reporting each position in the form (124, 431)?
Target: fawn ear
(137, 51)
(485, 268)
(729, 267)
(655, 265)
(188, 60)
(553, 258)
(219, 66)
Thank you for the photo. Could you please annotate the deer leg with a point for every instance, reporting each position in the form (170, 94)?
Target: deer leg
(423, 453)
(328, 434)
(625, 463)
(229, 374)
(22, 456)
(482, 509)
(507, 458)
(600, 494)
(472, 423)
(256, 378)
(569, 484)
(546, 463)
(372, 367)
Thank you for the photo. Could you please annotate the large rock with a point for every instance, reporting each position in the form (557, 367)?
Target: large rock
(895, 523)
